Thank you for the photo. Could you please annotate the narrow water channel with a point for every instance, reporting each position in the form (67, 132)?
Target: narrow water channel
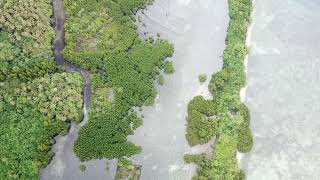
(65, 164)
(284, 91)
(197, 28)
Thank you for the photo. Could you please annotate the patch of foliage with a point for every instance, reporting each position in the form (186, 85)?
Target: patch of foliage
(16, 61)
(101, 36)
(223, 165)
(161, 80)
(202, 78)
(28, 21)
(224, 116)
(57, 96)
(82, 167)
(194, 158)
(104, 134)
(126, 170)
(168, 67)
(27, 143)
(202, 123)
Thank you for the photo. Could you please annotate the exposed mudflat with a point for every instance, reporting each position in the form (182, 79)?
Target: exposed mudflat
(197, 28)
(284, 90)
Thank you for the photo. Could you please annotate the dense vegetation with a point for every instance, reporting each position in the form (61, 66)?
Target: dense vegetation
(101, 37)
(28, 23)
(37, 100)
(25, 39)
(30, 115)
(127, 170)
(161, 80)
(202, 78)
(55, 95)
(224, 117)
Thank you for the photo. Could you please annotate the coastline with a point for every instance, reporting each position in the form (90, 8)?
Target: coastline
(243, 90)
(248, 44)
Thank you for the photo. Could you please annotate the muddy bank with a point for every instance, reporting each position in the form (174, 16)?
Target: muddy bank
(65, 164)
(198, 30)
(283, 91)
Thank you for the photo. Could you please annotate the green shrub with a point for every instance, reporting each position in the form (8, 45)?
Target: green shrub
(127, 170)
(194, 158)
(28, 21)
(202, 123)
(223, 164)
(58, 96)
(161, 80)
(168, 67)
(241, 175)
(202, 78)
(82, 167)
(151, 40)
(245, 140)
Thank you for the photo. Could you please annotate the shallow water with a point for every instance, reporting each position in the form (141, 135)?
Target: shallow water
(197, 28)
(284, 91)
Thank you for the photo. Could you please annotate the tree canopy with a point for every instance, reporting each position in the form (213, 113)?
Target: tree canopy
(37, 100)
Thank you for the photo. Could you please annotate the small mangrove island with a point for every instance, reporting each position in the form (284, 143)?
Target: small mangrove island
(224, 116)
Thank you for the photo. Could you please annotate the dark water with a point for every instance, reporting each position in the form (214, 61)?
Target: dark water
(283, 91)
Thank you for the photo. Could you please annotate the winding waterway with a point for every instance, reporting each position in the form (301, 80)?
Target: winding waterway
(284, 91)
(197, 28)
(65, 164)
